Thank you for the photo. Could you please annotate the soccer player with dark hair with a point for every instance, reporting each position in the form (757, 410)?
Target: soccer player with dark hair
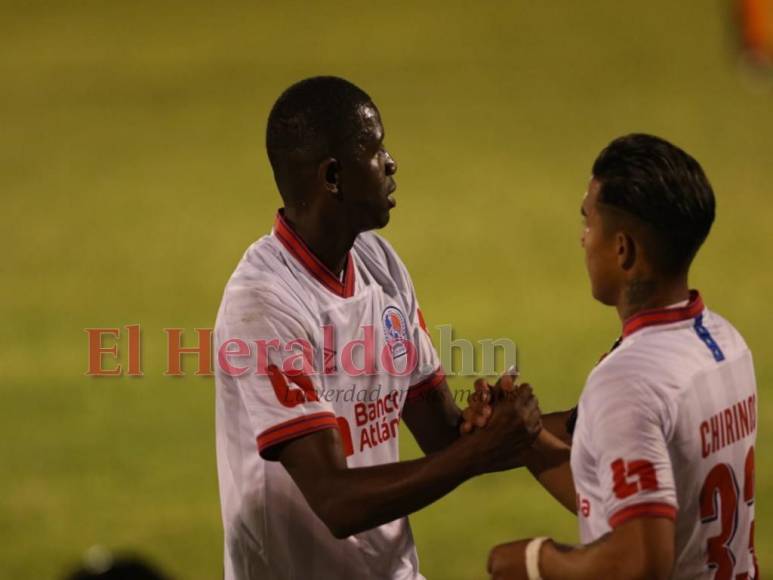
(307, 437)
(660, 465)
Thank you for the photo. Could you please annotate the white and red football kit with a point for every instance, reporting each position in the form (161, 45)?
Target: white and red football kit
(299, 350)
(666, 427)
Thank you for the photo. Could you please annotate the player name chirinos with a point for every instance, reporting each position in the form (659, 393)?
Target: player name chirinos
(728, 426)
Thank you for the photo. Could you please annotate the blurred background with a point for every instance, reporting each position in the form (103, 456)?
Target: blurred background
(133, 176)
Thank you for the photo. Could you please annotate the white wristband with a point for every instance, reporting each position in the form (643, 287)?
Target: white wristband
(532, 558)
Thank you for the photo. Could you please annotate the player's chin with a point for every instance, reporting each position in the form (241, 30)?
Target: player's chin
(375, 220)
(603, 294)
(381, 215)
(382, 219)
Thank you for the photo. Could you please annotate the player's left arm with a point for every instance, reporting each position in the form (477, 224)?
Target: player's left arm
(433, 418)
(430, 410)
(641, 548)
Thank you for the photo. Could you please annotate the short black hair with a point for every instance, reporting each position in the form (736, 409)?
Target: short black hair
(665, 188)
(313, 119)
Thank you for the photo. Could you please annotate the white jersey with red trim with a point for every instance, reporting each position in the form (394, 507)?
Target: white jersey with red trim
(666, 427)
(300, 350)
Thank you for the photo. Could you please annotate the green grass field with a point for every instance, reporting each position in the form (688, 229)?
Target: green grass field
(133, 178)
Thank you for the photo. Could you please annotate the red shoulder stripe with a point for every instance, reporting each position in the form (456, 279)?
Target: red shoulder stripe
(294, 428)
(642, 510)
(426, 385)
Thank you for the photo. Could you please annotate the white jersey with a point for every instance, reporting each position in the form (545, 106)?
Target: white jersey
(299, 350)
(666, 427)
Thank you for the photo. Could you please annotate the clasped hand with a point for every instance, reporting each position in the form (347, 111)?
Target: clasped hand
(504, 419)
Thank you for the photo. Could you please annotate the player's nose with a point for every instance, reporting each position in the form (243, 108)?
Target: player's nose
(391, 164)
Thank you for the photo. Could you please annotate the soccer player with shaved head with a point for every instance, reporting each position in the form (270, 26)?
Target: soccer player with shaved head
(659, 465)
(322, 351)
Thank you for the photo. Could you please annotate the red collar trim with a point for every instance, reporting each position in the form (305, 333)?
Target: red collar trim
(658, 316)
(301, 252)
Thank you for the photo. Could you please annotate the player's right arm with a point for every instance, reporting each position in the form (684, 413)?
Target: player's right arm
(560, 424)
(549, 462)
(352, 500)
(548, 459)
(628, 426)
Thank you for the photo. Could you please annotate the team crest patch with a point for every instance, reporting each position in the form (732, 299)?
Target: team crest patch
(395, 331)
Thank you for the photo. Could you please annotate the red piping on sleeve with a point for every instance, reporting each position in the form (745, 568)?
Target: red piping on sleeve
(429, 383)
(294, 428)
(642, 510)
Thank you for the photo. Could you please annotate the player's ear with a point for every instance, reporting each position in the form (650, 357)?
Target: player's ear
(626, 250)
(328, 175)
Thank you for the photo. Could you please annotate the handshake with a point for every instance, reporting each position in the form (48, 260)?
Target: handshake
(500, 423)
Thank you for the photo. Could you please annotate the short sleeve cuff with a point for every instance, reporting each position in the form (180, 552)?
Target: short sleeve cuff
(292, 429)
(426, 385)
(642, 510)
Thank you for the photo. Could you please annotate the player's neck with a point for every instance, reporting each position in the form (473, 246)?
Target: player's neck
(646, 295)
(329, 241)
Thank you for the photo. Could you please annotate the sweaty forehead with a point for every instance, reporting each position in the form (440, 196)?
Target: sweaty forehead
(591, 196)
(370, 123)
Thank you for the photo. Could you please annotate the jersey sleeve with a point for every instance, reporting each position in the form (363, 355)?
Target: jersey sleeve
(429, 372)
(635, 474)
(265, 355)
